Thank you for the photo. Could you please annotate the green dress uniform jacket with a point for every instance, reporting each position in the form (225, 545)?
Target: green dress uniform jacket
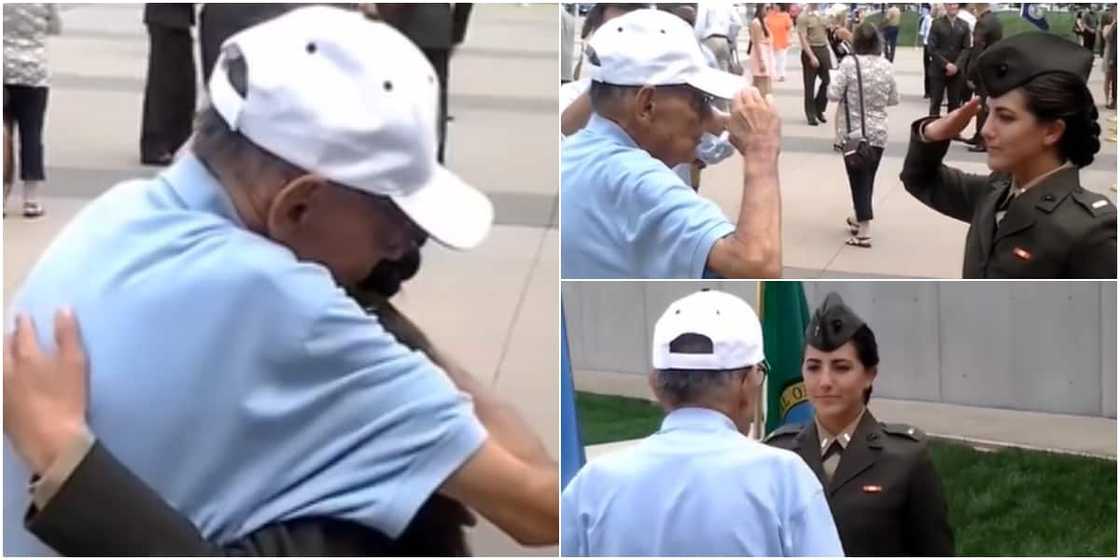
(885, 495)
(104, 510)
(1056, 229)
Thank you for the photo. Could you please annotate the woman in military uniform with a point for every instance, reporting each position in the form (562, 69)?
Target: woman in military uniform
(1030, 218)
(879, 479)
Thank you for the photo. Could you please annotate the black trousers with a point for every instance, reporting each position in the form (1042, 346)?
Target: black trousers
(169, 94)
(862, 183)
(939, 85)
(981, 118)
(440, 59)
(1112, 86)
(890, 42)
(926, 61)
(1089, 40)
(815, 104)
(25, 108)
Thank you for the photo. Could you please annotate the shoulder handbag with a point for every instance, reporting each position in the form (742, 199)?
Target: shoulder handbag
(857, 151)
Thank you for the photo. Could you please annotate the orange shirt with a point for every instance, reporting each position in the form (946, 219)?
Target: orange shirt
(780, 24)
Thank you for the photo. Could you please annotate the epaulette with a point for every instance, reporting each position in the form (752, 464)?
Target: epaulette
(1095, 204)
(786, 430)
(904, 430)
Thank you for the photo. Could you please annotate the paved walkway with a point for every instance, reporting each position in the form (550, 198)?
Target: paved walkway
(495, 308)
(987, 428)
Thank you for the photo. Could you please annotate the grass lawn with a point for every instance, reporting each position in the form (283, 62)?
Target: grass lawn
(1061, 23)
(1002, 503)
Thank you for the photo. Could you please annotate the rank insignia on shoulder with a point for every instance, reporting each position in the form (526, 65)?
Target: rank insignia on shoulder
(904, 430)
(1100, 204)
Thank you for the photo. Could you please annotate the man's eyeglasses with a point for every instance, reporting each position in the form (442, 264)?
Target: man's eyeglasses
(699, 101)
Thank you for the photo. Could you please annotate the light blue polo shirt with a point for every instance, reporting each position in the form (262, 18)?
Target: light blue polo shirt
(625, 214)
(243, 385)
(697, 487)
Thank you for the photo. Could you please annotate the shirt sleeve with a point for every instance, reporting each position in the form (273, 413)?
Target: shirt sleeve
(810, 529)
(54, 21)
(373, 427)
(573, 538)
(839, 84)
(45, 487)
(677, 229)
(892, 91)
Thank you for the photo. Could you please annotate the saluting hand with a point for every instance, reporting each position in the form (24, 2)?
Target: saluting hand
(755, 127)
(45, 397)
(951, 125)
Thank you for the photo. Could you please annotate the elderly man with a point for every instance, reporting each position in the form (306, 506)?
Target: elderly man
(228, 370)
(625, 213)
(699, 486)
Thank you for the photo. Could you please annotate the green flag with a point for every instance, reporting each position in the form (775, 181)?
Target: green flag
(784, 314)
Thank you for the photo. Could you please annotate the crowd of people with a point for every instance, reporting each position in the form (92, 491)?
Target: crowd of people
(971, 72)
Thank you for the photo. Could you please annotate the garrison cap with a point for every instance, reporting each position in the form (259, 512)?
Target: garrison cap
(1016, 60)
(832, 325)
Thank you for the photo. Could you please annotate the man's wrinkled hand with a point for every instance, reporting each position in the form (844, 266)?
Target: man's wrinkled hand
(755, 127)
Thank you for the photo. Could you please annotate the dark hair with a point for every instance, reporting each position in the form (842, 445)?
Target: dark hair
(866, 39)
(867, 351)
(1059, 95)
(759, 14)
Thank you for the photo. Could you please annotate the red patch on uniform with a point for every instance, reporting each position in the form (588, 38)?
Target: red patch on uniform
(872, 488)
(1022, 253)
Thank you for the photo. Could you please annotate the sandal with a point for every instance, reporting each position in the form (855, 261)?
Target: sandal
(32, 209)
(859, 241)
(853, 227)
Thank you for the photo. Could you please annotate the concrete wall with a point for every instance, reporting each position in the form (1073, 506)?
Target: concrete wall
(1038, 346)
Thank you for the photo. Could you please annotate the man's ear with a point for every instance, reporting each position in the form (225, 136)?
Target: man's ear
(644, 104)
(288, 212)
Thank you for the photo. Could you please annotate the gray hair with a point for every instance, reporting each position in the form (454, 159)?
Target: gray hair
(683, 386)
(227, 152)
(606, 98)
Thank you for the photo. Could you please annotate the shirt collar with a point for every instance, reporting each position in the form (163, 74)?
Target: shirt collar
(606, 127)
(199, 189)
(1017, 190)
(697, 419)
(843, 438)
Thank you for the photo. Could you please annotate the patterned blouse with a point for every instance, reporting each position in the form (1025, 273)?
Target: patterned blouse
(879, 92)
(25, 42)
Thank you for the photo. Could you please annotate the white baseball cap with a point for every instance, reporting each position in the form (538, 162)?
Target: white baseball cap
(725, 321)
(355, 101)
(655, 48)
